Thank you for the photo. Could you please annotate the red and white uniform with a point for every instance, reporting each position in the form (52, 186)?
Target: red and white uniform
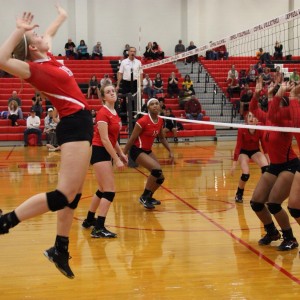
(58, 84)
(114, 125)
(248, 141)
(150, 130)
(279, 144)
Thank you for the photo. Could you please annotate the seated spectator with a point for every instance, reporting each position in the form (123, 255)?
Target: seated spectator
(242, 78)
(93, 88)
(82, 50)
(266, 76)
(263, 57)
(159, 54)
(94, 114)
(179, 48)
(259, 68)
(14, 96)
(70, 49)
(187, 91)
(158, 85)
(37, 104)
(193, 58)
(162, 105)
(221, 52)
(105, 80)
(211, 54)
(147, 86)
(173, 86)
(97, 51)
(245, 98)
(170, 125)
(125, 51)
(232, 86)
(294, 77)
(278, 50)
(193, 109)
(252, 74)
(13, 112)
(149, 53)
(33, 123)
(278, 76)
(51, 121)
(234, 72)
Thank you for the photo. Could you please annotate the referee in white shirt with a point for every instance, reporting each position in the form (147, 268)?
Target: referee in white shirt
(129, 72)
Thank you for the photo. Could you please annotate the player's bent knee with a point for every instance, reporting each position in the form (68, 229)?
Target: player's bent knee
(245, 177)
(256, 206)
(160, 180)
(75, 202)
(274, 208)
(109, 196)
(56, 200)
(264, 169)
(157, 173)
(294, 212)
(99, 194)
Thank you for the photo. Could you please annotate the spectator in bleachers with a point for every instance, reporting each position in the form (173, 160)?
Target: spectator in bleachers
(278, 50)
(234, 72)
(252, 74)
(93, 88)
(97, 51)
(149, 53)
(187, 91)
(259, 68)
(221, 52)
(170, 125)
(126, 51)
(158, 85)
(242, 78)
(193, 58)
(94, 114)
(105, 80)
(162, 105)
(82, 50)
(13, 112)
(266, 76)
(50, 122)
(263, 57)
(294, 77)
(33, 123)
(232, 86)
(14, 96)
(278, 76)
(245, 98)
(70, 49)
(37, 104)
(193, 109)
(159, 54)
(179, 48)
(173, 86)
(147, 86)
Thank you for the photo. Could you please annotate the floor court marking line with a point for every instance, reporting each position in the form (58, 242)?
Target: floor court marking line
(10, 153)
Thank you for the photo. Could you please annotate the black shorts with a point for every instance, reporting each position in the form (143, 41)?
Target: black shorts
(169, 126)
(290, 166)
(74, 128)
(249, 153)
(134, 152)
(99, 154)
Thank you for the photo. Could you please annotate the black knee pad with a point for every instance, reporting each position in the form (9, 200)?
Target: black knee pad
(256, 206)
(109, 196)
(99, 194)
(274, 208)
(156, 173)
(245, 177)
(264, 169)
(75, 202)
(56, 200)
(294, 212)
(160, 180)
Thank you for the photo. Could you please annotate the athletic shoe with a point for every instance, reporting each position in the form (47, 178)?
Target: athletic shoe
(87, 224)
(154, 201)
(268, 238)
(287, 245)
(3, 225)
(146, 202)
(102, 233)
(238, 198)
(61, 261)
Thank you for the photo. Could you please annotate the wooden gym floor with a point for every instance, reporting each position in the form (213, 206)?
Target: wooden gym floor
(198, 244)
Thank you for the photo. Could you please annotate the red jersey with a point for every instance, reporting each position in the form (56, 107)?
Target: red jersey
(114, 125)
(150, 130)
(57, 82)
(248, 141)
(279, 144)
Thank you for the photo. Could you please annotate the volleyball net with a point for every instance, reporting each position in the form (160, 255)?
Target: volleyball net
(243, 46)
